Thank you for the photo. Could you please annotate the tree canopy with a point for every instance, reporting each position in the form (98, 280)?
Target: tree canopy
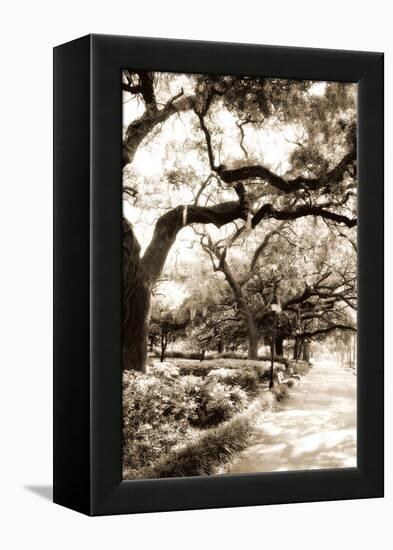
(238, 189)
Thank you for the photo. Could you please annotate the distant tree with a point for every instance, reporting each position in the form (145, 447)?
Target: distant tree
(218, 252)
(316, 283)
(166, 326)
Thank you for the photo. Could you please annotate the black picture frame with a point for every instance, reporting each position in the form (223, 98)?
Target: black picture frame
(87, 275)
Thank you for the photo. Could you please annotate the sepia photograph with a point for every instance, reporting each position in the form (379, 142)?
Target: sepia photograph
(193, 278)
(239, 296)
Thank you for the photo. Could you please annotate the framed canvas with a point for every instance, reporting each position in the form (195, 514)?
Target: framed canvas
(218, 275)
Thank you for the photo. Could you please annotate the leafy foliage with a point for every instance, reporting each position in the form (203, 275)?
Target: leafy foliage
(284, 152)
(156, 414)
(216, 402)
(164, 410)
(213, 448)
(250, 380)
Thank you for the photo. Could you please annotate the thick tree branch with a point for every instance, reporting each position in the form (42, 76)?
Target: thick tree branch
(170, 223)
(332, 177)
(330, 297)
(267, 211)
(147, 90)
(326, 330)
(140, 128)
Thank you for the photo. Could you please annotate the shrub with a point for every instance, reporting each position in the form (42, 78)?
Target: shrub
(194, 369)
(249, 379)
(156, 414)
(280, 392)
(161, 408)
(217, 402)
(213, 448)
(232, 355)
(165, 409)
(301, 367)
(164, 370)
(175, 354)
(207, 367)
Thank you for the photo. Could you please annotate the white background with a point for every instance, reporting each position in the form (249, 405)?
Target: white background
(29, 30)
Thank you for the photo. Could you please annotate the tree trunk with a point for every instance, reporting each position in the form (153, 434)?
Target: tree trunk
(136, 304)
(300, 348)
(279, 346)
(306, 352)
(249, 323)
(252, 338)
(163, 347)
(136, 328)
(295, 349)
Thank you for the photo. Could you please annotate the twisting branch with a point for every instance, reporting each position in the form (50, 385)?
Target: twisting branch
(140, 128)
(203, 186)
(268, 211)
(332, 177)
(208, 141)
(326, 330)
(242, 135)
(262, 246)
(241, 192)
(130, 85)
(147, 90)
(130, 192)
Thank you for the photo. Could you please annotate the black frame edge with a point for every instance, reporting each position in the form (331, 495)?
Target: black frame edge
(370, 393)
(111, 495)
(97, 488)
(71, 242)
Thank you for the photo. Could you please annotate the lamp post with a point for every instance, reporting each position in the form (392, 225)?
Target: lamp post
(297, 343)
(298, 329)
(276, 308)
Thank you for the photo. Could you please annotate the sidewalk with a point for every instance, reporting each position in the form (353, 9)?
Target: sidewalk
(315, 429)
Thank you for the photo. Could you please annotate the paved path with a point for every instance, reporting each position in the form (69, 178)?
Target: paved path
(316, 428)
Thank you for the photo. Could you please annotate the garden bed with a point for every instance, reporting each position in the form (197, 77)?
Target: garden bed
(210, 356)
(196, 422)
